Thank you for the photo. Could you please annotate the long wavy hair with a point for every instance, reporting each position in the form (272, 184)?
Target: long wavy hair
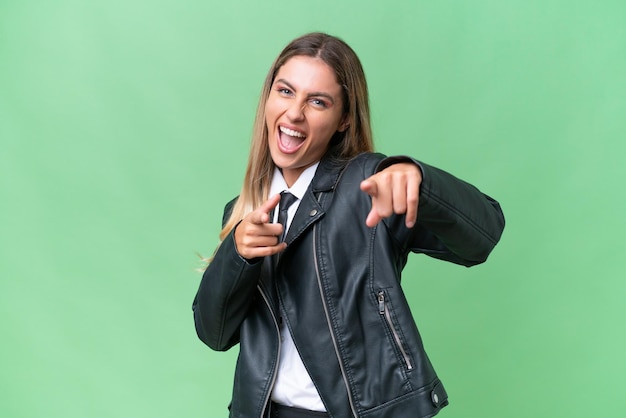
(357, 138)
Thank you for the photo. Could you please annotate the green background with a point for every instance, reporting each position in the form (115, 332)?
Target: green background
(124, 128)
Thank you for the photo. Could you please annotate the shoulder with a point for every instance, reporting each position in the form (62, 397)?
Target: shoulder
(365, 163)
(228, 210)
(368, 158)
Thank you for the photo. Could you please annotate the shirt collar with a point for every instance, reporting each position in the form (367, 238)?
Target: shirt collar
(299, 187)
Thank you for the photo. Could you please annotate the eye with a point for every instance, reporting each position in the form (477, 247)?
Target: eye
(319, 103)
(284, 91)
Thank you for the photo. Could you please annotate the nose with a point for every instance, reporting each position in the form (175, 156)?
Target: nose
(295, 112)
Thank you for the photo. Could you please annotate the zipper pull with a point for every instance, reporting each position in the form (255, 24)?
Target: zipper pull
(381, 302)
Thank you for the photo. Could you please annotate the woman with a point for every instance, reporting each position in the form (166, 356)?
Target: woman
(323, 325)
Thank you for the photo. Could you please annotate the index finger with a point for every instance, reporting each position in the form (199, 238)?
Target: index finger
(369, 186)
(270, 203)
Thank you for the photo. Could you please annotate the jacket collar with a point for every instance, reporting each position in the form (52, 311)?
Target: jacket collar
(327, 174)
(311, 209)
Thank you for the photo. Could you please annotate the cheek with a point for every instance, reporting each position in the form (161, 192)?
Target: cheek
(268, 113)
(270, 109)
(328, 128)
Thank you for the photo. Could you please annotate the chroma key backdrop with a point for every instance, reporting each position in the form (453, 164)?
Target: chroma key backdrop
(124, 129)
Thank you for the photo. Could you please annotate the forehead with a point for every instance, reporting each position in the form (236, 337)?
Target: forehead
(308, 73)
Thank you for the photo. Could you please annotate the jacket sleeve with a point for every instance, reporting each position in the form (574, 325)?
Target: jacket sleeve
(221, 303)
(455, 221)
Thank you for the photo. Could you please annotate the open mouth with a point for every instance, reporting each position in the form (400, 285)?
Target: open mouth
(289, 140)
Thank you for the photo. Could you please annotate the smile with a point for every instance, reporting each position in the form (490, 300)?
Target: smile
(289, 140)
(291, 132)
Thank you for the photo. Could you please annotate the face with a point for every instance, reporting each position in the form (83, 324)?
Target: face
(303, 111)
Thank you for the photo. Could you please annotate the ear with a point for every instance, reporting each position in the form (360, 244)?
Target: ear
(344, 124)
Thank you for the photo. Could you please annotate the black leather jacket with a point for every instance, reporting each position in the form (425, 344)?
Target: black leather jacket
(337, 286)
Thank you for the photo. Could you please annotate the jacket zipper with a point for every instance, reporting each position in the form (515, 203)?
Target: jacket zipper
(384, 312)
(267, 397)
(330, 328)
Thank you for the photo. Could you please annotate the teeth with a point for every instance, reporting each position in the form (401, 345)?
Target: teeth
(291, 132)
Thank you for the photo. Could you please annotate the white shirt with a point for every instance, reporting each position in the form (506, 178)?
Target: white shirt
(293, 386)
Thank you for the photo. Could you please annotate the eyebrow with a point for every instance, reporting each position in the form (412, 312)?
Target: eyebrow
(312, 94)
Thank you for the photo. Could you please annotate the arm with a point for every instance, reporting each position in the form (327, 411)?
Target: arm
(455, 221)
(458, 217)
(227, 287)
(229, 283)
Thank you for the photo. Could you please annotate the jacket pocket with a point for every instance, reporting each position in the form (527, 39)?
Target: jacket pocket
(385, 311)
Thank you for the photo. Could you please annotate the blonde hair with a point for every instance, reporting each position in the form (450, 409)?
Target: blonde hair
(357, 138)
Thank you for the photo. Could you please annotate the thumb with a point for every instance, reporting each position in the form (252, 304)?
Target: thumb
(373, 218)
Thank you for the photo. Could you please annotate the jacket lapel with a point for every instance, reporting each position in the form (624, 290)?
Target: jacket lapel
(308, 212)
(310, 209)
